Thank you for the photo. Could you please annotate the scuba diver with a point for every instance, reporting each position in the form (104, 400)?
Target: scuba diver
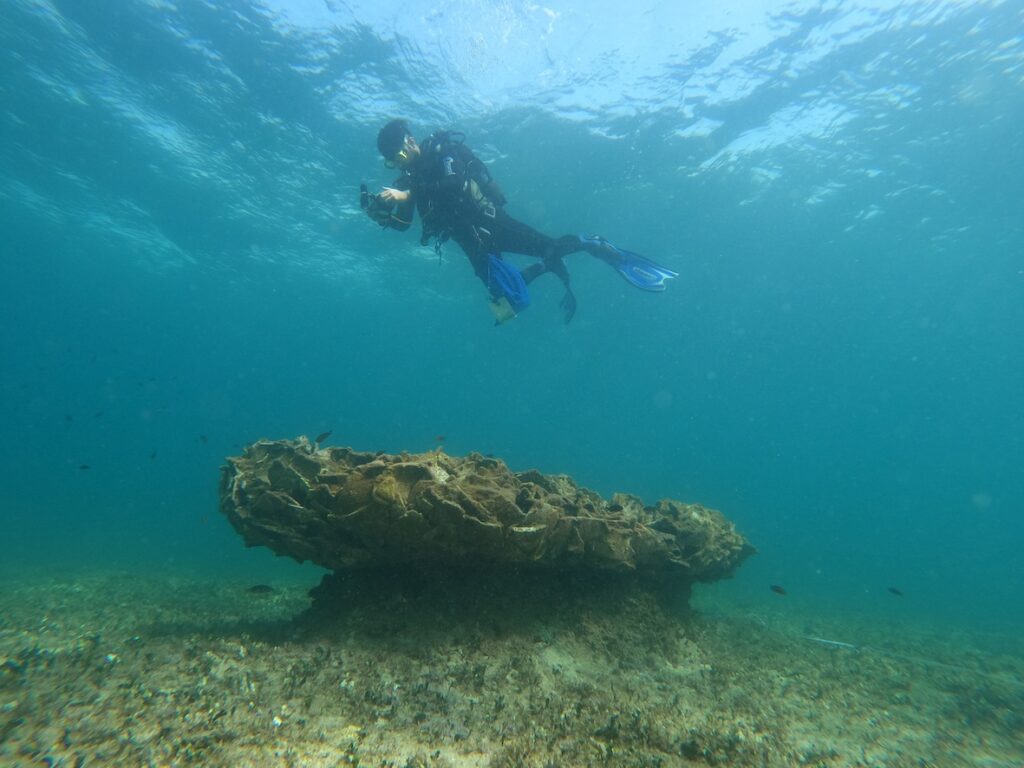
(457, 199)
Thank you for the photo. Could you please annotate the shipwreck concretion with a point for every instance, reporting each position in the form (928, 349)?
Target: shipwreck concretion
(345, 509)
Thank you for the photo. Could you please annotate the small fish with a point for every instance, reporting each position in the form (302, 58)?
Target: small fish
(68, 417)
(895, 591)
(83, 466)
(777, 589)
(439, 438)
(152, 455)
(203, 439)
(323, 436)
(260, 589)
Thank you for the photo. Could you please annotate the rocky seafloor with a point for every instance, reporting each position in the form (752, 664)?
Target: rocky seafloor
(462, 669)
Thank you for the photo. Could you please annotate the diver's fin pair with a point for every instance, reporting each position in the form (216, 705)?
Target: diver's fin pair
(636, 269)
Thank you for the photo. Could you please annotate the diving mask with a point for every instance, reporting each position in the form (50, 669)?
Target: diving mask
(402, 156)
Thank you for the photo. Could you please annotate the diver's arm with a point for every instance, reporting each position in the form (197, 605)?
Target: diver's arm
(392, 195)
(478, 171)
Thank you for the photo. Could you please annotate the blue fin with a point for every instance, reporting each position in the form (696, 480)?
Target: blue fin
(636, 269)
(506, 282)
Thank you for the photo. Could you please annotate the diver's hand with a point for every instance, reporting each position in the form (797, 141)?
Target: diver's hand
(392, 195)
(568, 305)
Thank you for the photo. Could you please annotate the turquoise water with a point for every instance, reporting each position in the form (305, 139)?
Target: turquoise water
(838, 368)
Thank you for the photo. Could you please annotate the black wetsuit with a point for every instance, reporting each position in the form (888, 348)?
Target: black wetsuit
(457, 199)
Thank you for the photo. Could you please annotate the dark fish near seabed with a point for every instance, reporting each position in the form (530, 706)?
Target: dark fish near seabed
(323, 436)
(895, 591)
(777, 589)
(260, 589)
(83, 466)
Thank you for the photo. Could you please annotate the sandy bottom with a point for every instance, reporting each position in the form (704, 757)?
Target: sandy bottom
(126, 670)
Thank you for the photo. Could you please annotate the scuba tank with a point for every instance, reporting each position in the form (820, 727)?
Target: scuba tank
(478, 186)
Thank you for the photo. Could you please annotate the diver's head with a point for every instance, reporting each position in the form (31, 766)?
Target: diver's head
(396, 144)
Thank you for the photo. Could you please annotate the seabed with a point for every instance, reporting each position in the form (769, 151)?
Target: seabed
(478, 670)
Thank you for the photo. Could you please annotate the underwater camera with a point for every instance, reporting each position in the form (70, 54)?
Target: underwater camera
(372, 204)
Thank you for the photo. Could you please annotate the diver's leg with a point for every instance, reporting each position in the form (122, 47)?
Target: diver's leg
(476, 245)
(516, 237)
(481, 250)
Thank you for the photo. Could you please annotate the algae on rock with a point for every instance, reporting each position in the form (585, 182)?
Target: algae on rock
(345, 509)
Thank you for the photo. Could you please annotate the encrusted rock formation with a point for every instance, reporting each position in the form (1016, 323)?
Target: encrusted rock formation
(346, 509)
